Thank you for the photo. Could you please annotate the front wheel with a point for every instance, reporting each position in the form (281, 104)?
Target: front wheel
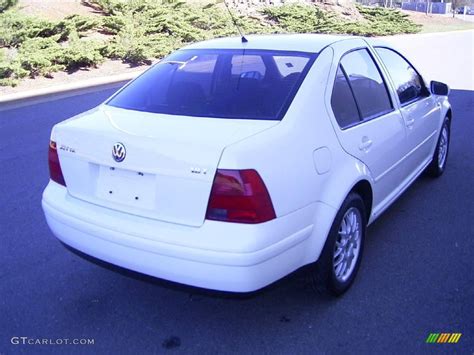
(440, 156)
(341, 256)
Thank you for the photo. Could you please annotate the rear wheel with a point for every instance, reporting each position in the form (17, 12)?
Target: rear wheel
(440, 156)
(341, 256)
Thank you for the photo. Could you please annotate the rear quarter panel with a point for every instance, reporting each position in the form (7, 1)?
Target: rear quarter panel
(284, 157)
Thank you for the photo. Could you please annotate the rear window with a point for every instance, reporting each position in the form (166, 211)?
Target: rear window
(241, 84)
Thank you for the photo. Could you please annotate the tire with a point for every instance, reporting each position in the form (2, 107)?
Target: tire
(328, 274)
(440, 155)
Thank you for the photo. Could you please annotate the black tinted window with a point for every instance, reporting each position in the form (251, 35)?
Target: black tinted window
(342, 101)
(219, 83)
(367, 84)
(407, 82)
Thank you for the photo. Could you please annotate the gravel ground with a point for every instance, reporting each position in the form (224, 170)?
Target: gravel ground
(53, 9)
(108, 68)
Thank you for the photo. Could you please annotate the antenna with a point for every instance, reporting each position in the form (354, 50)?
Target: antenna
(243, 39)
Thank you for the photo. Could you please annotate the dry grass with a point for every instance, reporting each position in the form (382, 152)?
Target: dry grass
(54, 9)
(439, 23)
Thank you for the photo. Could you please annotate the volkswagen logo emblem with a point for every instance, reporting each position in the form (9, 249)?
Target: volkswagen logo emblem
(119, 152)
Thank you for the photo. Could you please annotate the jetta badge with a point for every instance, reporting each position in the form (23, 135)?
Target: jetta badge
(119, 152)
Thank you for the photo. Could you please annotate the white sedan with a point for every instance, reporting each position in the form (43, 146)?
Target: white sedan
(230, 164)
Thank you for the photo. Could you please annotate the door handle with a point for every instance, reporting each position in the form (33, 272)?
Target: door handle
(410, 122)
(366, 144)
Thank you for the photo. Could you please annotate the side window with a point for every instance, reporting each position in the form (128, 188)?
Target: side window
(408, 83)
(342, 101)
(367, 85)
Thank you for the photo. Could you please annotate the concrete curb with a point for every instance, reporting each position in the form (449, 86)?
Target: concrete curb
(31, 97)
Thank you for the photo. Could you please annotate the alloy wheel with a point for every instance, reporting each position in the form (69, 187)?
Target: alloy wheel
(348, 243)
(443, 147)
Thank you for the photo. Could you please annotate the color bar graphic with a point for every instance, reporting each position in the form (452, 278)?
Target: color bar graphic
(442, 338)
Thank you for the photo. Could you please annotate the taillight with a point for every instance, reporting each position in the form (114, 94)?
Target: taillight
(55, 172)
(239, 196)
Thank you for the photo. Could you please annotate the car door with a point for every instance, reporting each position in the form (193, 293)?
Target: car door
(418, 107)
(368, 124)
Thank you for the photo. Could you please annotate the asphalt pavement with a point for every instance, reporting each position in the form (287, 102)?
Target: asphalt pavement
(416, 278)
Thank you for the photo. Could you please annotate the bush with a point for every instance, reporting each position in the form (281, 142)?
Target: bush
(383, 22)
(108, 7)
(44, 47)
(38, 56)
(15, 28)
(6, 4)
(44, 56)
(10, 72)
(142, 30)
(300, 18)
(80, 54)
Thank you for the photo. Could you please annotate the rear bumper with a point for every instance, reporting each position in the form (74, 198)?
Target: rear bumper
(217, 255)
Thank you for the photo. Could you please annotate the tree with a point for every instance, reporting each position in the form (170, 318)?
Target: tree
(456, 4)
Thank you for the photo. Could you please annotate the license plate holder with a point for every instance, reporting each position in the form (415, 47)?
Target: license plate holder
(127, 187)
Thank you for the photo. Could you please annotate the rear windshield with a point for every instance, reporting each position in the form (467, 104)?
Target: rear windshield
(243, 84)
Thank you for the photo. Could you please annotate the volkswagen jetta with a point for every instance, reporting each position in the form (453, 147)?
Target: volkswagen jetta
(229, 164)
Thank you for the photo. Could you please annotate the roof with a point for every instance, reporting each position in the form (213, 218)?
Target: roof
(312, 43)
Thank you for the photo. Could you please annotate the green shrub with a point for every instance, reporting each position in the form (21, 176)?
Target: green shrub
(129, 45)
(108, 7)
(302, 18)
(15, 27)
(82, 24)
(38, 56)
(10, 72)
(44, 56)
(142, 30)
(384, 22)
(6, 4)
(133, 46)
(80, 54)
(307, 18)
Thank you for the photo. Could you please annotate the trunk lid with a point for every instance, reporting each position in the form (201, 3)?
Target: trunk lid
(169, 165)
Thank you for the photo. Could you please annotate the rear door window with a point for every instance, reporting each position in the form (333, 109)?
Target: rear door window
(226, 83)
(342, 101)
(367, 84)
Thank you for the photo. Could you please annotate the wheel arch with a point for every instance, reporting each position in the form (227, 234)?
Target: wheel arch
(449, 113)
(364, 189)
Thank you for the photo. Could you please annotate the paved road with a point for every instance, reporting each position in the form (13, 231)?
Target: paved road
(416, 278)
(446, 57)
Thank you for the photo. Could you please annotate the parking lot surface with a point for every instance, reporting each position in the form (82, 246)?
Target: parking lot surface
(416, 277)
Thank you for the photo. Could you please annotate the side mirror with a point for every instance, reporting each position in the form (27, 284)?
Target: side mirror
(439, 88)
